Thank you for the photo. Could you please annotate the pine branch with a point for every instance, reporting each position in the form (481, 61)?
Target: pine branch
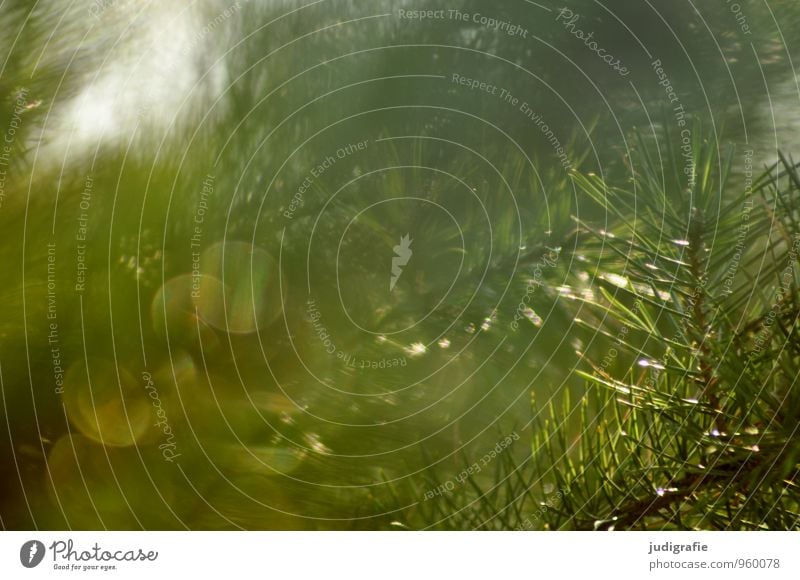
(673, 457)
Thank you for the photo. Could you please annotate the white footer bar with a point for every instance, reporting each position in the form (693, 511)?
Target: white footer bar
(371, 555)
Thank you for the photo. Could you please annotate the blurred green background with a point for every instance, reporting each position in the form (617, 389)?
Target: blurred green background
(199, 210)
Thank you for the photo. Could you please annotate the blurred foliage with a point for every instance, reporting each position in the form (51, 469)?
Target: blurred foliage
(132, 121)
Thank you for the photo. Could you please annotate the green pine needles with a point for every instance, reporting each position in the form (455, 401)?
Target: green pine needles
(690, 300)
